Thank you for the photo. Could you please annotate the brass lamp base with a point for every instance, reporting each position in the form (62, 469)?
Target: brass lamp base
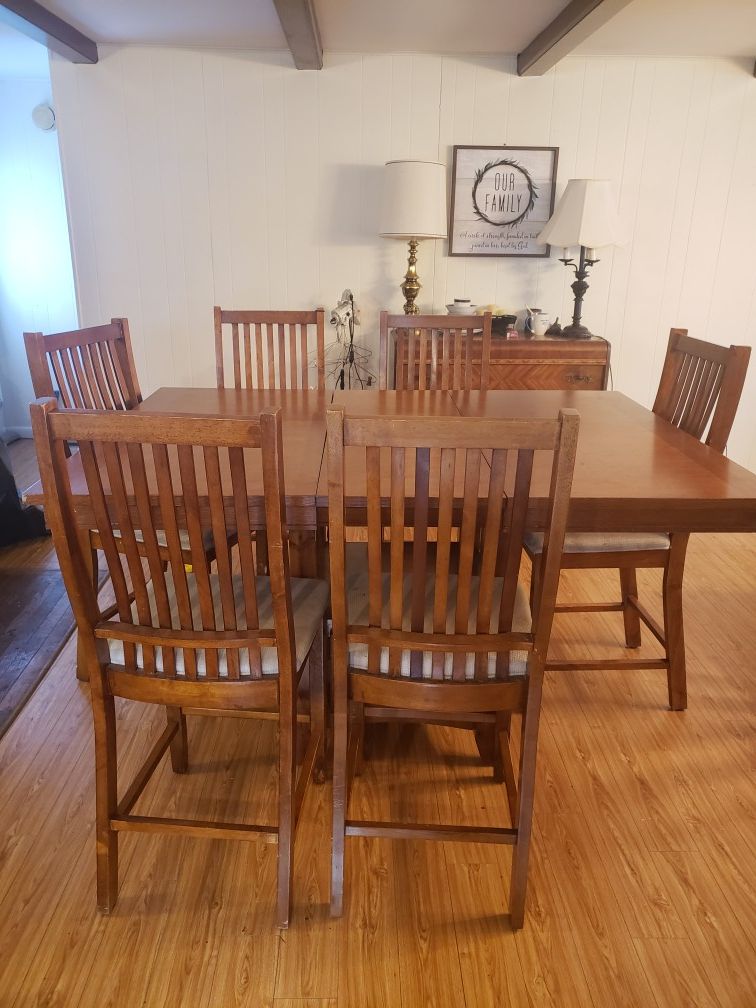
(411, 286)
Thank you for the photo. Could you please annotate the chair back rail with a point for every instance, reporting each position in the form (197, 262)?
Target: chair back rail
(91, 368)
(700, 387)
(437, 351)
(155, 474)
(464, 479)
(269, 349)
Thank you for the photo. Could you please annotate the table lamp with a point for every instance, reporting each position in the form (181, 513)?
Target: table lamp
(586, 216)
(414, 209)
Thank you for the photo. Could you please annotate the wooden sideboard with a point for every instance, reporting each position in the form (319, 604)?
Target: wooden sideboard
(540, 362)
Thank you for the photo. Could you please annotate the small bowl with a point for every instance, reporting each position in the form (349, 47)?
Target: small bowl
(500, 323)
(458, 309)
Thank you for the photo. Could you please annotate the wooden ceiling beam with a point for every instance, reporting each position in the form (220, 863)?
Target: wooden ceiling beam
(300, 26)
(577, 22)
(40, 24)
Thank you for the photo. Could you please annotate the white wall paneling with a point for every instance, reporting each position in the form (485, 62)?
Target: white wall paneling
(199, 177)
(36, 281)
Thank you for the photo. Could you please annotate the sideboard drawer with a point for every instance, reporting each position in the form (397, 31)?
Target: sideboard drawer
(546, 375)
(541, 362)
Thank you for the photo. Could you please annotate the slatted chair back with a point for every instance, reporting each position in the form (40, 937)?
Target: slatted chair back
(146, 475)
(91, 368)
(269, 349)
(431, 617)
(700, 387)
(437, 351)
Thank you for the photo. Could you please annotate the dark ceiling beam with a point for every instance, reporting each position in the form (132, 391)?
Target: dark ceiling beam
(300, 26)
(577, 22)
(40, 24)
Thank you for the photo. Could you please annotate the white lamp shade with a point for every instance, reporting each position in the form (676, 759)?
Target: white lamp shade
(414, 200)
(585, 215)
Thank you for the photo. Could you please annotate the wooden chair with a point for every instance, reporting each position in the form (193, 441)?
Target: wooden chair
(94, 368)
(271, 349)
(212, 643)
(408, 634)
(267, 356)
(699, 392)
(436, 351)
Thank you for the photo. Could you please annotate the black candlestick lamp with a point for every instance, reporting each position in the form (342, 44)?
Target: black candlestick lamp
(577, 330)
(585, 216)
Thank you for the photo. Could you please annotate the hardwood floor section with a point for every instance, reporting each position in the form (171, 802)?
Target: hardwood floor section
(38, 553)
(35, 615)
(641, 882)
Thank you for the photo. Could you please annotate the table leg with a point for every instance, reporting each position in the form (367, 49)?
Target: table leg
(673, 621)
(90, 559)
(322, 561)
(303, 554)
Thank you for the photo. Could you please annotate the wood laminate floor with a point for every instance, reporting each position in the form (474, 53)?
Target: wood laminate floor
(642, 882)
(35, 615)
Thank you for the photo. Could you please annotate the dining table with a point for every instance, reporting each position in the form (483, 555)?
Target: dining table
(634, 471)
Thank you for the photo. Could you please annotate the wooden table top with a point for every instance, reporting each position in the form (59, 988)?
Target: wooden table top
(634, 472)
(303, 422)
(390, 403)
(302, 419)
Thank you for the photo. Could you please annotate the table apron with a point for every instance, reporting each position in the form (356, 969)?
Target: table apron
(300, 513)
(614, 515)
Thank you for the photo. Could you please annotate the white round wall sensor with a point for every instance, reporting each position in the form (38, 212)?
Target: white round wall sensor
(43, 117)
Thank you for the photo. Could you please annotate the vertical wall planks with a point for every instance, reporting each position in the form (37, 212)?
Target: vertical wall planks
(144, 147)
(226, 175)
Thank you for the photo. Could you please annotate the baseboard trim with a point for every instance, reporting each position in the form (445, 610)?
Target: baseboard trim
(11, 433)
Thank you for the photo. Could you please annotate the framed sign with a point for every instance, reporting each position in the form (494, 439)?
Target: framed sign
(501, 200)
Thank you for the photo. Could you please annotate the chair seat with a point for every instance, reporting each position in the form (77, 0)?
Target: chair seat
(357, 600)
(309, 601)
(602, 542)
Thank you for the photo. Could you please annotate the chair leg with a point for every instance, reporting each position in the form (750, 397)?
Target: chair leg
(524, 822)
(317, 703)
(485, 740)
(287, 769)
(535, 582)
(519, 882)
(103, 709)
(340, 725)
(358, 727)
(261, 552)
(629, 587)
(501, 727)
(673, 622)
(179, 743)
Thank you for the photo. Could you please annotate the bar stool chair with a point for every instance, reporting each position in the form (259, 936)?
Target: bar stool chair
(699, 391)
(436, 351)
(458, 648)
(212, 643)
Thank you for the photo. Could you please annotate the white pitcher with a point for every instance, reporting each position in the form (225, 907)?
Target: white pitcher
(536, 321)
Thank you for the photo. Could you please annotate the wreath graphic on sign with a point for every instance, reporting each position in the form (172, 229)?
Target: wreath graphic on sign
(532, 191)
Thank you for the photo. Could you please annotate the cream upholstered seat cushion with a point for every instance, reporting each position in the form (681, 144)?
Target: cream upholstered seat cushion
(357, 600)
(309, 601)
(602, 542)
